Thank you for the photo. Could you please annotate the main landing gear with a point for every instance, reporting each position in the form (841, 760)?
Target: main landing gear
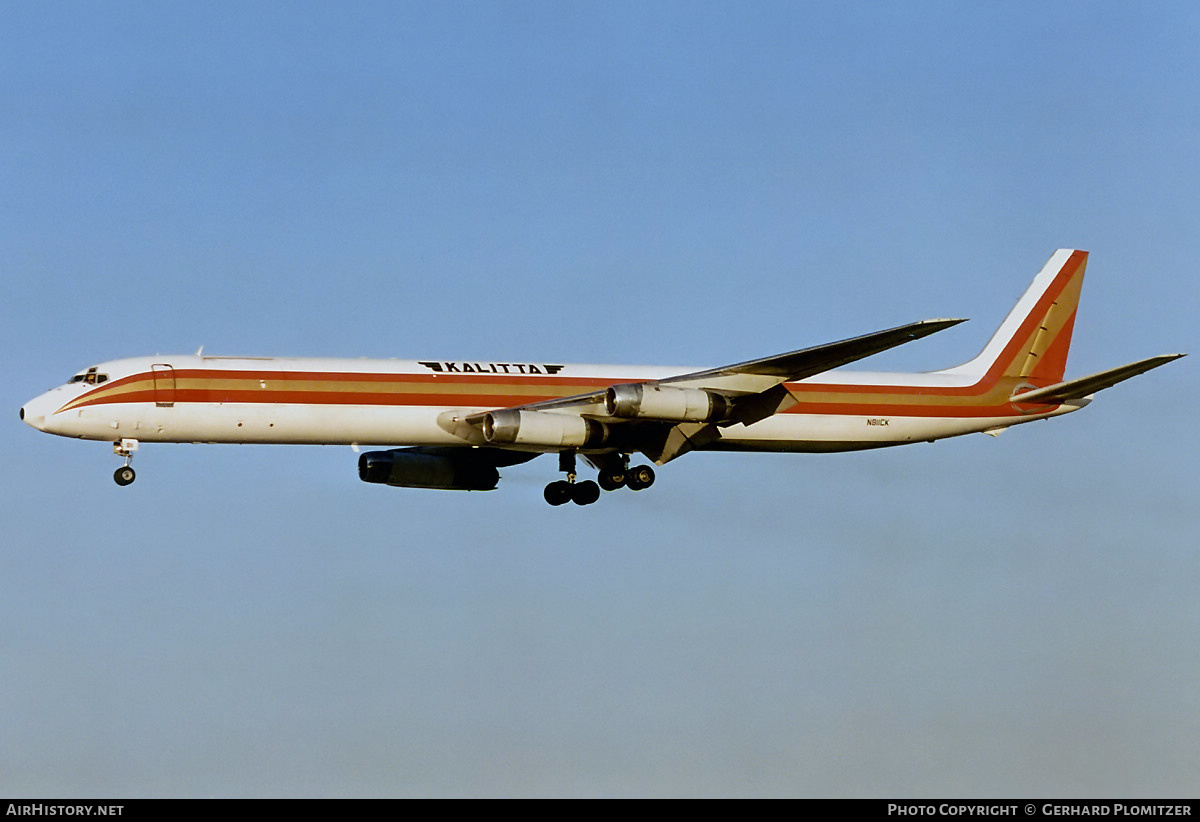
(125, 448)
(611, 478)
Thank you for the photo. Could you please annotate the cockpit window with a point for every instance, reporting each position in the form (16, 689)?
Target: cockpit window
(90, 377)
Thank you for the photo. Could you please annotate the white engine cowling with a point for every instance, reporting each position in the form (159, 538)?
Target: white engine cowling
(541, 429)
(657, 402)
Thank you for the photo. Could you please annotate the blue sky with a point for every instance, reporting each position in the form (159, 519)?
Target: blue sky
(692, 183)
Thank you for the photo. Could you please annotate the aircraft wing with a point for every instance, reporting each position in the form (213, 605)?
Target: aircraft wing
(744, 392)
(754, 376)
(758, 384)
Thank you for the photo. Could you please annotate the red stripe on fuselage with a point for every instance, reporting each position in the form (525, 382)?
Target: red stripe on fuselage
(456, 391)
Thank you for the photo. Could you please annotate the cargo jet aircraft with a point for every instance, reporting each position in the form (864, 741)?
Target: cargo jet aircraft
(462, 420)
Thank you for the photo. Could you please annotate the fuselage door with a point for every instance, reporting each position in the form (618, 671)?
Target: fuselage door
(164, 385)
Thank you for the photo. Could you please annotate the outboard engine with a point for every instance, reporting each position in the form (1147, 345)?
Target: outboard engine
(647, 401)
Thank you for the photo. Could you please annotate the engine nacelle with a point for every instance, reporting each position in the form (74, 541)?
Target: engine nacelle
(647, 401)
(413, 469)
(538, 428)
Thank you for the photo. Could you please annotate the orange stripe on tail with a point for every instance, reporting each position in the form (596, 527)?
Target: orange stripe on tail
(1032, 343)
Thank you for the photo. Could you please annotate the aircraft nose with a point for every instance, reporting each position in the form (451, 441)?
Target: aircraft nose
(31, 414)
(31, 419)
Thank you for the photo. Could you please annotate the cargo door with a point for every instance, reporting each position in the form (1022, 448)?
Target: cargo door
(164, 385)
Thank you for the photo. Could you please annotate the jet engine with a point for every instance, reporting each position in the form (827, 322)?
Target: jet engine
(657, 402)
(541, 429)
(412, 468)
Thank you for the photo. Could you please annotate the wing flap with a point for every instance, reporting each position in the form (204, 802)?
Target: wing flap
(670, 441)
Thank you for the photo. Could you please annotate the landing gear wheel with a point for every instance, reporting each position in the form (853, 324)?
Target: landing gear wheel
(558, 492)
(640, 477)
(585, 493)
(124, 448)
(612, 478)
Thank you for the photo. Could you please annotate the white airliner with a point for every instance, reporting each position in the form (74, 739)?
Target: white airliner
(462, 420)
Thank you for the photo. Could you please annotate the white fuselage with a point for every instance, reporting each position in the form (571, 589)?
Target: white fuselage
(401, 402)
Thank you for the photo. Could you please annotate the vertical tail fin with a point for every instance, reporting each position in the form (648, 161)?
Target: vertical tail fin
(1032, 342)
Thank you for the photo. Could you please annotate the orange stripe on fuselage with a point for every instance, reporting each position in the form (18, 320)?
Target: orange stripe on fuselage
(338, 388)
(986, 397)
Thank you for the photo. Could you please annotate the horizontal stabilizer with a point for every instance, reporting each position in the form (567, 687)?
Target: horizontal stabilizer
(1082, 387)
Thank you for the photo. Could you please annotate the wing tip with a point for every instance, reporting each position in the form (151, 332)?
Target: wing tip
(926, 327)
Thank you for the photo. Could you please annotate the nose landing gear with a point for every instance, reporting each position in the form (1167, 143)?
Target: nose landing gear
(125, 448)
